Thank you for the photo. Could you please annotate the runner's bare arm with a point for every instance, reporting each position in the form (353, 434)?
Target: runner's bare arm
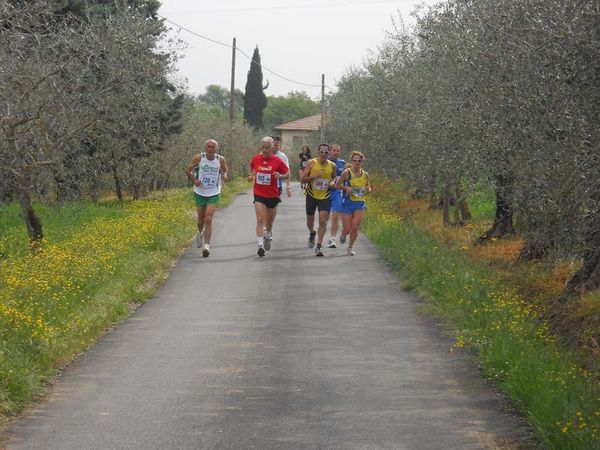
(190, 168)
(224, 170)
(341, 180)
(305, 175)
(332, 179)
(251, 172)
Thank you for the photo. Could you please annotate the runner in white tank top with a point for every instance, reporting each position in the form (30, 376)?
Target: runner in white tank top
(206, 171)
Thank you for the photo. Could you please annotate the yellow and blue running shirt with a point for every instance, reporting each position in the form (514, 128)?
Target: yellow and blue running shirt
(319, 187)
(358, 185)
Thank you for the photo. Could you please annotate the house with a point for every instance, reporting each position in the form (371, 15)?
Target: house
(305, 131)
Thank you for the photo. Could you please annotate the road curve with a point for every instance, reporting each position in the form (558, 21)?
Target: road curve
(289, 351)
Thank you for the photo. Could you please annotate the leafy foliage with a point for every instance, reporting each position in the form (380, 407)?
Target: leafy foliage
(500, 92)
(87, 93)
(295, 105)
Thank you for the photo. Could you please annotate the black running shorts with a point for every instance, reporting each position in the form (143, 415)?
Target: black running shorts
(269, 202)
(312, 204)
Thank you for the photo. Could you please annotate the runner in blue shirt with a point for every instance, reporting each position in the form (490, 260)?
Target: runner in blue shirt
(336, 195)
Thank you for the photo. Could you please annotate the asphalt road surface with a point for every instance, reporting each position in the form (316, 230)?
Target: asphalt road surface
(289, 351)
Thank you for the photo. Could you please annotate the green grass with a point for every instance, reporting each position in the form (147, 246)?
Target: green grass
(514, 348)
(97, 262)
(482, 203)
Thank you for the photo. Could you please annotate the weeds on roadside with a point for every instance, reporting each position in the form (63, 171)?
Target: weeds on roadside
(96, 260)
(514, 346)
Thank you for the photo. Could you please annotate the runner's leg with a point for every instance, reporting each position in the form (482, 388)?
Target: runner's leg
(356, 219)
(334, 223)
(201, 217)
(209, 211)
(200, 238)
(261, 216)
(346, 223)
(323, 218)
(270, 218)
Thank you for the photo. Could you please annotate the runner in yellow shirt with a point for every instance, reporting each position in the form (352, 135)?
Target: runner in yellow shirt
(318, 175)
(354, 183)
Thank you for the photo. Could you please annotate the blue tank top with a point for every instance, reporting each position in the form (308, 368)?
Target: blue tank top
(340, 164)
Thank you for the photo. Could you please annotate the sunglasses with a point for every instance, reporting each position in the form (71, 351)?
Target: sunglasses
(324, 152)
(357, 160)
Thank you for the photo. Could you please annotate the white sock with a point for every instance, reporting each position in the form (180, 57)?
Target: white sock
(261, 241)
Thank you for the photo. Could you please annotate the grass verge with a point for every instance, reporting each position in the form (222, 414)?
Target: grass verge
(96, 263)
(514, 346)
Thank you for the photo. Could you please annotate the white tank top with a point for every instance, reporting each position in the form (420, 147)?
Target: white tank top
(209, 174)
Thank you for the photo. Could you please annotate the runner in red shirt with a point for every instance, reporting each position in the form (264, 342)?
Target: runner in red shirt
(265, 170)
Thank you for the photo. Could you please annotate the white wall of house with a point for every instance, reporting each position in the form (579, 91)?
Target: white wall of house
(293, 140)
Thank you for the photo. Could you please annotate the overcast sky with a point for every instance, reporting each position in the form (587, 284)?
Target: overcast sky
(297, 39)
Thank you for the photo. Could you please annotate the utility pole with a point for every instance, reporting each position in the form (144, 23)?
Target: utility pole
(322, 105)
(231, 92)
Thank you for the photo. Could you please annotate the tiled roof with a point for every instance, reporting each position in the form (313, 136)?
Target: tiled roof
(310, 123)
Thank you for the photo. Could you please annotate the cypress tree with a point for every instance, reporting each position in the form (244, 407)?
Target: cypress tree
(255, 100)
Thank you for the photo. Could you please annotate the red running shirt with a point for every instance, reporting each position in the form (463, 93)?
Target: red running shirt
(265, 183)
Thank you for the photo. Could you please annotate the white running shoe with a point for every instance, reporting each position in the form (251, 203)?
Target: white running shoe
(319, 250)
(206, 251)
(200, 239)
(268, 237)
(351, 251)
(342, 238)
(331, 243)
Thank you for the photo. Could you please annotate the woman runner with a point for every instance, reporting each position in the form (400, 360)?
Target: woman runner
(354, 183)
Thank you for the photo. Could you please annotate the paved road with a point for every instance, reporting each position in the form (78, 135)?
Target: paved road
(285, 352)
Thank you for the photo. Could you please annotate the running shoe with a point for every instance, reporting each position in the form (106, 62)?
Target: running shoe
(268, 237)
(261, 251)
(200, 239)
(342, 238)
(351, 251)
(319, 250)
(205, 251)
(331, 243)
(311, 239)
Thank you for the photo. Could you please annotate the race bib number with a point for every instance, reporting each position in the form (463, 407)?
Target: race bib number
(263, 179)
(358, 192)
(321, 184)
(209, 180)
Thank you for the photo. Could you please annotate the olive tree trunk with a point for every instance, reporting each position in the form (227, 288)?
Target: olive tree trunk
(503, 220)
(33, 222)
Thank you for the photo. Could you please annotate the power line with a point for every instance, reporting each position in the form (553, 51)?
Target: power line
(243, 53)
(193, 32)
(313, 5)
(276, 74)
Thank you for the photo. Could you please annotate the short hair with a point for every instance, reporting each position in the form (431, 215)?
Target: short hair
(266, 140)
(323, 145)
(336, 145)
(356, 152)
(276, 138)
(212, 140)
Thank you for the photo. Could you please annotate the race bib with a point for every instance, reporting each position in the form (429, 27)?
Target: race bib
(321, 184)
(263, 179)
(358, 192)
(209, 180)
